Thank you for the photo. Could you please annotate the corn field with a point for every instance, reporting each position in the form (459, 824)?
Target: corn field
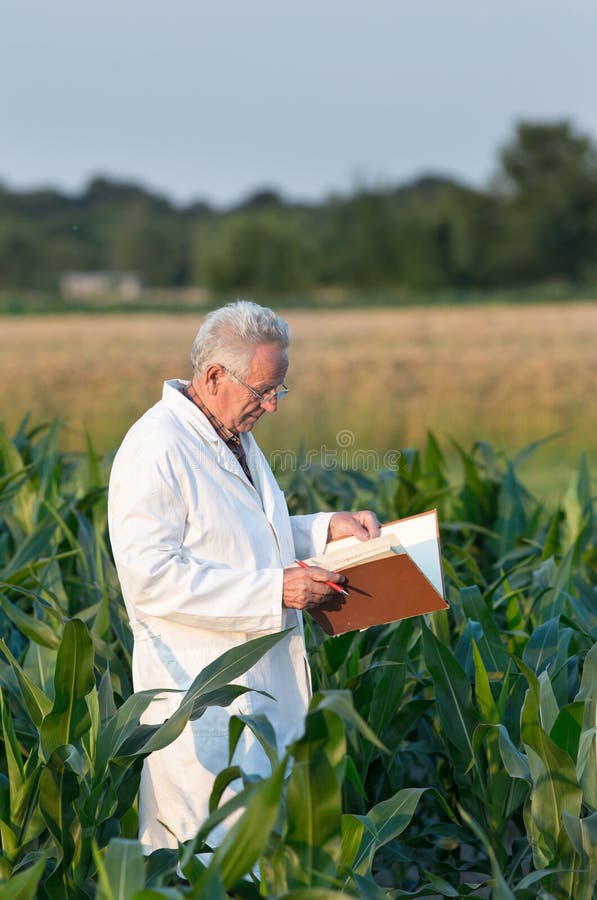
(448, 756)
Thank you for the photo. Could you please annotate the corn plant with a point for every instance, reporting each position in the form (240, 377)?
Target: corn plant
(452, 755)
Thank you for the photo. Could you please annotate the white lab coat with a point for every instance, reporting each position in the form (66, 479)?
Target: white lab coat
(200, 553)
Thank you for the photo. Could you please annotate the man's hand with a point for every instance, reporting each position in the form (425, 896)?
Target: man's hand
(304, 588)
(362, 524)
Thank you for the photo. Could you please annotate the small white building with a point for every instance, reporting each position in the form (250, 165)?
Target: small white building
(88, 285)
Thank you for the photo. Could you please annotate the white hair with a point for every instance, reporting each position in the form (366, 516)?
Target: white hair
(230, 334)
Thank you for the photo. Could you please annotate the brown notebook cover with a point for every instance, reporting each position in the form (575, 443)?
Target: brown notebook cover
(380, 591)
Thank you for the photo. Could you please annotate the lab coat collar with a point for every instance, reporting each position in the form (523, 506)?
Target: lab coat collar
(187, 411)
(265, 488)
(192, 416)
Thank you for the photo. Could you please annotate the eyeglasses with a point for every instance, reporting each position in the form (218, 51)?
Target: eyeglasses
(267, 397)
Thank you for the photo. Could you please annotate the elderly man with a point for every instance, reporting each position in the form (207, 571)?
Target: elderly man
(204, 548)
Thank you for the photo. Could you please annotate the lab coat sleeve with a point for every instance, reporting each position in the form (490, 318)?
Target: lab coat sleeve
(310, 534)
(159, 576)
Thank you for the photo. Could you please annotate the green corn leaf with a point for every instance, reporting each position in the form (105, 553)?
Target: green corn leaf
(11, 847)
(146, 739)
(577, 500)
(584, 609)
(512, 517)
(10, 487)
(548, 706)
(73, 680)
(567, 728)
(352, 835)
(35, 701)
(120, 726)
(35, 629)
(555, 788)
(586, 766)
(174, 894)
(463, 652)
(222, 696)
(476, 608)
(588, 685)
(501, 794)
(500, 891)
(486, 704)
(59, 788)
(24, 885)
(353, 777)
(124, 737)
(313, 800)
(389, 688)
(552, 544)
(24, 809)
(14, 760)
(436, 887)
(583, 835)
(341, 703)
(105, 692)
(453, 697)
(515, 762)
(31, 552)
(246, 840)
(231, 665)
(263, 731)
(25, 502)
(160, 866)
(121, 869)
(206, 886)
(239, 801)
(223, 780)
(542, 646)
(383, 823)
(39, 666)
(555, 602)
(320, 893)
(339, 649)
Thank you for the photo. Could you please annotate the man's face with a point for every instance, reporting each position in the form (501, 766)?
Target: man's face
(239, 410)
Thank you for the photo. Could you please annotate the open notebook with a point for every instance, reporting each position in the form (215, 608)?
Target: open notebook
(391, 577)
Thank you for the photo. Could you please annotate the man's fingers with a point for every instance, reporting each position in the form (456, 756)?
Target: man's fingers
(303, 588)
(362, 524)
(323, 575)
(371, 524)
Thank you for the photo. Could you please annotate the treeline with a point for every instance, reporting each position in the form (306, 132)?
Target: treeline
(535, 222)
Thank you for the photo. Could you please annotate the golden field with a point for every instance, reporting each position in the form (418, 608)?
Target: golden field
(360, 379)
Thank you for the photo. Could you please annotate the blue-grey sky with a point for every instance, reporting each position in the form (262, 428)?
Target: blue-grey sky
(216, 99)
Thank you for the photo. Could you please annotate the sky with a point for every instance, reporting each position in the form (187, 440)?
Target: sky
(215, 100)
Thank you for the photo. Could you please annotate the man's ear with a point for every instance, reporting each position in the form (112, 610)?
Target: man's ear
(212, 377)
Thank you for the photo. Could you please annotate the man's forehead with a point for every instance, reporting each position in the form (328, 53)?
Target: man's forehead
(269, 359)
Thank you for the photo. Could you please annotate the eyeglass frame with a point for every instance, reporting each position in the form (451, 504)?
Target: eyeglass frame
(274, 393)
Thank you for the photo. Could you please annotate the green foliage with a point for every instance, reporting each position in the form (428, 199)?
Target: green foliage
(260, 251)
(454, 755)
(536, 224)
(550, 176)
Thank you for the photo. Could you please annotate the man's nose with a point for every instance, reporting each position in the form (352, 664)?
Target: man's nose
(271, 405)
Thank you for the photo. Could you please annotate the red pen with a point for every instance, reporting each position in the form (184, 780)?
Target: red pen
(332, 584)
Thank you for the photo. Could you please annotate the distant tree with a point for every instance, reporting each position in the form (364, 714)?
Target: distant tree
(357, 243)
(22, 263)
(548, 184)
(198, 210)
(157, 248)
(109, 193)
(265, 198)
(253, 251)
(545, 155)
